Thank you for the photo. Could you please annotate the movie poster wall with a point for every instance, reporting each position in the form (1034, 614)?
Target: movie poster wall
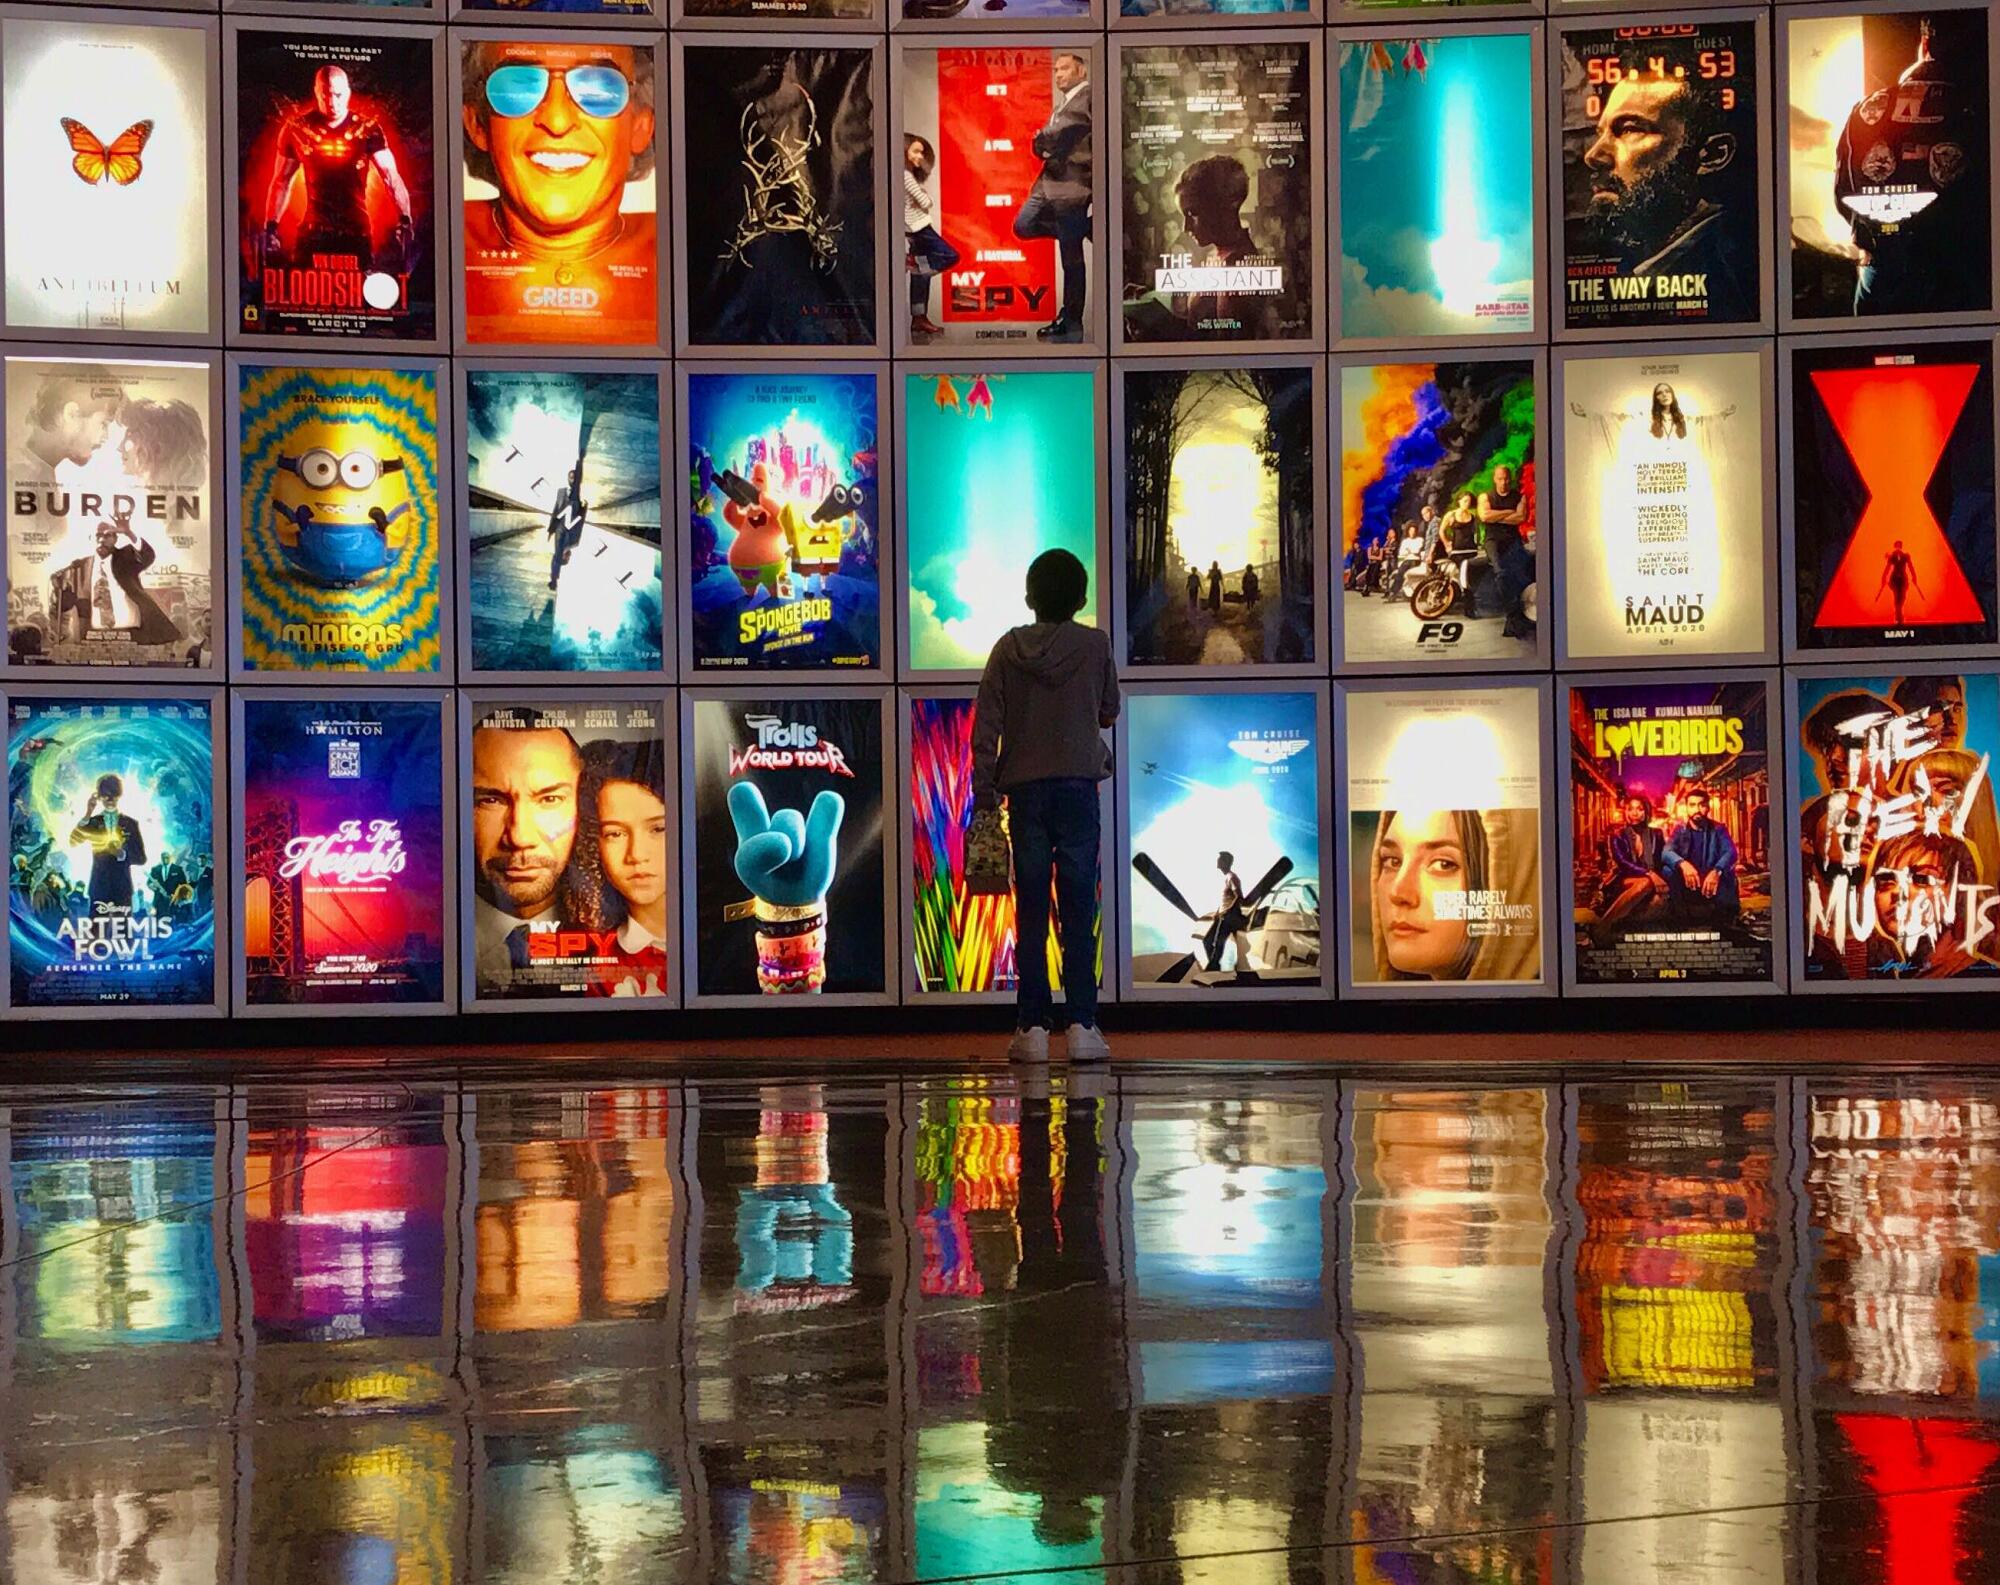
(343, 844)
(1898, 837)
(1445, 862)
(111, 850)
(782, 551)
(110, 513)
(788, 840)
(1669, 832)
(567, 812)
(130, 253)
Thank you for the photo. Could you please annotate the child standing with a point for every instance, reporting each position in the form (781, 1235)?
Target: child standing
(930, 254)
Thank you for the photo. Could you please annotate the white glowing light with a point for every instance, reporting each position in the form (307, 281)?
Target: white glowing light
(1222, 497)
(1461, 259)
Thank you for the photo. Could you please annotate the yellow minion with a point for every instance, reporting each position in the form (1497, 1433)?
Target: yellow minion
(341, 516)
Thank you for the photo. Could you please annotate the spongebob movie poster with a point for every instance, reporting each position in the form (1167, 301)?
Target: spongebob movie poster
(340, 568)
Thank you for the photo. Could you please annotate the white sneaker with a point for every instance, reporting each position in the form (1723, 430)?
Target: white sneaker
(1086, 1044)
(1029, 1045)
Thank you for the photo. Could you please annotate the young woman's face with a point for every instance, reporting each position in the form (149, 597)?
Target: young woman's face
(1420, 856)
(632, 842)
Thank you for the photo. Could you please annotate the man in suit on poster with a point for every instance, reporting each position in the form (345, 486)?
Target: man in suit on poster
(1058, 206)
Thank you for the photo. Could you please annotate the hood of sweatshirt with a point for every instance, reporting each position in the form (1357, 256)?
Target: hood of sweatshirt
(1051, 652)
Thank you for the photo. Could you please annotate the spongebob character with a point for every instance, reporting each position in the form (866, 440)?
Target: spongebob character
(758, 553)
(341, 518)
(816, 540)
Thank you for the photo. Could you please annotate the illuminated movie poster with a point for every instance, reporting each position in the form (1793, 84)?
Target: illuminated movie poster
(340, 520)
(1892, 494)
(1437, 183)
(1663, 497)
(1445, 836)
(779, 147)
(783, 549)
(998, 184)
(997, 469)
(640, 12)
(561, 232)
(1899, 839)
(1438, 511)
(1222, 816)
(336, 234)
(343, 852)
(1891, 187)
(1219, 565)
(1660, 130)
(572, 878)
(984, 11)
(1670, 802)
(111, 851)
(1197, 11)
(563, 481)
(789, 873)
(110, 517)
(1217, 191)
(782, 10)
(107, 225)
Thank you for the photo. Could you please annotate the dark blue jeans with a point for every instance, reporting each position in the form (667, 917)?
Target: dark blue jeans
(934, 256)
(1053, 825)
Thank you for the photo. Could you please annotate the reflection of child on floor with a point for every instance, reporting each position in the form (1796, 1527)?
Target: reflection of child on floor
(929, 254)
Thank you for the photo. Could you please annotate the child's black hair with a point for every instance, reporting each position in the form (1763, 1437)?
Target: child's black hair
(1058, 586)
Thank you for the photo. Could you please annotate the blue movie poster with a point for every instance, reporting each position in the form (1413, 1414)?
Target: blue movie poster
(111, 851)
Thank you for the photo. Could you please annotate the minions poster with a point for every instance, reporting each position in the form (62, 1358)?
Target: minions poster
(339, 560)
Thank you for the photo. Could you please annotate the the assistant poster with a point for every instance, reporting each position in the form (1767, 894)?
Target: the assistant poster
(1670, 809)
(789, 870)
(110, 513)
(343, 852)
(111, 851)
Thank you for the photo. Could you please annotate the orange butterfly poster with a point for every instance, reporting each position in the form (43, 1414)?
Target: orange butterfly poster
(106, 126)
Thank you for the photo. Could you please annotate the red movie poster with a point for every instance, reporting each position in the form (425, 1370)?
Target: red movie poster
(990, 102)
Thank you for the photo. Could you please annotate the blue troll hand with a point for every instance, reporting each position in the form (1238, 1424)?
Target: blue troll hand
(783, 858)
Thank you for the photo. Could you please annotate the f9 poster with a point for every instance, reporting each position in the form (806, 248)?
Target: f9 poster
(1898, 836)
(1218, 516)
(1222, 808)
(340, 522)
(343, 852)
(1438, 512)
(778, 146)
(110, 514)
(563, 485)
(1437, 183)
(998, 186)
(1892, 494)
(107, 226)
(1661, 130)
(997, 469)
(560, 241)
(336, 234)
(1445, 836)
(1891, 187)
(784, 525)
(1217, 180)
(572, 878)
(1670, 809)
(789, 849)
(111, 852)
(1663, 497)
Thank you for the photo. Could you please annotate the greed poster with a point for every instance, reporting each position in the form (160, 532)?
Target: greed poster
(1219, 565)
(999, 468)
(788, 842)
(1445, 836)
(111, 851)
(1899, 837)
(1222, 811)
(1437, 185)
(336, 234)
(343, 852)
(1891, 187)
(563, 483)
(107, 187)
(784, 518)
(780, 235)
(1670, 804)
(561, 230)
(572, 876)
(1663, 491)
(1438, 511)
(1660, 131)
(110, 514)
(1892, 494)
(1217, 192)
(340, 519)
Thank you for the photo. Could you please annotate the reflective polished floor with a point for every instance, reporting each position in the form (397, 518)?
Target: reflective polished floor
(1151, 1326)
